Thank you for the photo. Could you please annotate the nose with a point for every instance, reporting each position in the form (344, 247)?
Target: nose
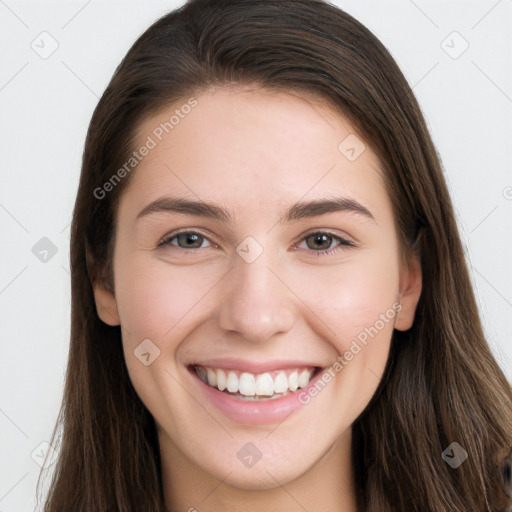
(256, 302)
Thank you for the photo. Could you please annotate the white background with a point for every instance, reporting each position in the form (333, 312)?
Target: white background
(46, 105)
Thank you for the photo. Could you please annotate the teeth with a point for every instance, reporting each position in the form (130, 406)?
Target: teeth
(212, 377)
(201, 372)
(293, 381)
(264, 385)
(280, 383)
(221, 380)
(248, 385)
(304, 378)
(232, 382)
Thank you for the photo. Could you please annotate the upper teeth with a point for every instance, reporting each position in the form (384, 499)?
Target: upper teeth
(248, 384)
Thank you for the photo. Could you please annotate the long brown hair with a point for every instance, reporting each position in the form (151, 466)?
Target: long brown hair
(441, 383)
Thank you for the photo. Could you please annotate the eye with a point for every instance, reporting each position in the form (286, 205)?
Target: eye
(186, 240)
(321, 243)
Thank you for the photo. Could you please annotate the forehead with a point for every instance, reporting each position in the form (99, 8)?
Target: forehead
(253, 147)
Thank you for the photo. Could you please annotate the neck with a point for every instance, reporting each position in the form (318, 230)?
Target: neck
(328, 484)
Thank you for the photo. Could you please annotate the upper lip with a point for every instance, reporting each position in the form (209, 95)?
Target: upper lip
(254, 367)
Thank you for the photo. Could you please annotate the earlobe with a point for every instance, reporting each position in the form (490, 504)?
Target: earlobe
(410, 292)
(106, 305)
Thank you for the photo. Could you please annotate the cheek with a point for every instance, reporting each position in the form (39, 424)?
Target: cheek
(156, 299)
(357, 301)
(361, 310)
(353, 297)
(159, 302)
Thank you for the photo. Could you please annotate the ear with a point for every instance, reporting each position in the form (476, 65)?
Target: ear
(106, 305)
(410, 291)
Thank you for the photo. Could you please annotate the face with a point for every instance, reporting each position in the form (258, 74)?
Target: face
(256, 252)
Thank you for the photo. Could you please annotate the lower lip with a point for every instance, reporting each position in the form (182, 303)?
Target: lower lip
(261, 412)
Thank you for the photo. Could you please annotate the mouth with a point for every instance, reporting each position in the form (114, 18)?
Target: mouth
(256, 393)
(248, 386)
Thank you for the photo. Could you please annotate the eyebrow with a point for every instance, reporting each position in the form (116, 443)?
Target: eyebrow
(299, 210)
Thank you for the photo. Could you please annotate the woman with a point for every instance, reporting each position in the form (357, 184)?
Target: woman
(271, 308)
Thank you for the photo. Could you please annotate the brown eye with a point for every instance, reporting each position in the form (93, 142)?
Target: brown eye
(320, 241)
(323, 242)
(189, 240)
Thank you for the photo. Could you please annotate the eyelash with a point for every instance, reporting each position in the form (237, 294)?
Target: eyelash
(325, 252)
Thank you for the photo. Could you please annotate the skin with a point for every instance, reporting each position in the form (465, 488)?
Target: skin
(256, 153)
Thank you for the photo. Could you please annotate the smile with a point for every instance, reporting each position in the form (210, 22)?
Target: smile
(255, 386)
